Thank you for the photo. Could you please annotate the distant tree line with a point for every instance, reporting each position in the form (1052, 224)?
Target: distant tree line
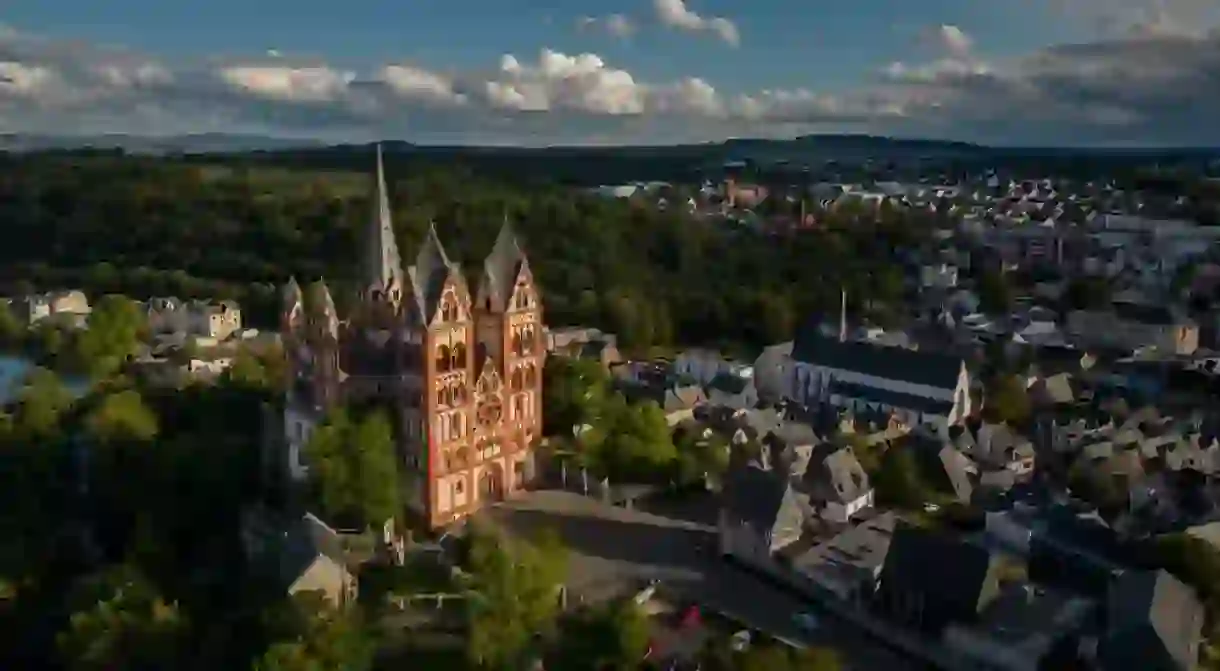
(147, 226)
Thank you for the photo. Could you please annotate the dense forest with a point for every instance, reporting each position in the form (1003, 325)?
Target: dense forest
(158, 226)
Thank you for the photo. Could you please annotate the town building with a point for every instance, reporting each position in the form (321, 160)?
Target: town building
(460, 370)
(928, 389)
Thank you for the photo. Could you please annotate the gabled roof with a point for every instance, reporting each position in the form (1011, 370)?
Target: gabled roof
(954, 579)
(763, 499)
(432, 269)
(1154, 622)
(501, 268)
(932, 369)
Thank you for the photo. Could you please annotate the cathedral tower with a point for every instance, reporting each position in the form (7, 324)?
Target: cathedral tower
(460, 374)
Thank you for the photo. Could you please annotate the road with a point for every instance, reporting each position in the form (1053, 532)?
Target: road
(615, 551)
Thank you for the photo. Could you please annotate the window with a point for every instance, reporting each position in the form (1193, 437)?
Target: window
(449, 310)
(443, 362)
(518, 379)
(457, 487)
(457, 357)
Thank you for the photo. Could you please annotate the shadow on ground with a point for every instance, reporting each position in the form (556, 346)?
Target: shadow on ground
(623, 541)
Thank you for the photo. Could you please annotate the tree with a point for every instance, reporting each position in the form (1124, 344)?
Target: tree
(700, 459)
(514, 595)
(121, 622)
(898, 481)
(41, 403)
(111, 336)
(309, 634)
(354, 468)
(1087, 293)
(12, 331)
(995, 296)
(573, 392)
(609, 638)
(122, 417)
(1007, 400)
(631, 442)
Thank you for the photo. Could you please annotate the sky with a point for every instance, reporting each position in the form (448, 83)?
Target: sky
(543, 72)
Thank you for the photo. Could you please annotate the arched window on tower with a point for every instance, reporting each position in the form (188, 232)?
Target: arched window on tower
(459, 393)
(517, 380)
(458, 357)
(527, 340)
(516, 343)
(531, 375)
(449, 309)
(442, 359)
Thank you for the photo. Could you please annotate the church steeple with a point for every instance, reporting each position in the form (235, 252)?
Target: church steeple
(382, 263)
(431, 270)
(500, 270)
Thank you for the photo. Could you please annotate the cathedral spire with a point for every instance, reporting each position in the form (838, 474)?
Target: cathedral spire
(501, 267)
(431, 270)
(382, 263)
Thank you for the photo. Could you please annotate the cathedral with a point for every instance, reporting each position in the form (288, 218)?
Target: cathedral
(461, 372)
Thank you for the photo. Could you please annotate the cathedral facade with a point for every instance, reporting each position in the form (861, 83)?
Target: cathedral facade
(461, 371)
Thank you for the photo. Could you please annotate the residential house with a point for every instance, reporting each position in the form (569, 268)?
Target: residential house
(300, 555)
(761, 513)
(1130, 327)
(931, 580)
(938, 276)
(584, 343)
(703, 366)
(732, 391)
(849, 563)
(71, 305)
(196, 318)
(924, 388)
(838, 487)
(1019, 631)
(1153, 623)
(677, 400)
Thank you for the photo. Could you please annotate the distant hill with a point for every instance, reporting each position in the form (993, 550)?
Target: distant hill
(588, 166)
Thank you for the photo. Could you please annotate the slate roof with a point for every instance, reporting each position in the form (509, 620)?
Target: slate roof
(920, 404)
(952, 580)
(382, 264)
(428, 275)
(839, 477)
(1154, 622)
(501, 267)
(728, 383)
(893, 363)
(763, 499)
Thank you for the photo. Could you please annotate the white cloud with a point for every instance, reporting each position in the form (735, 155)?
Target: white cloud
(675, 14)
(617, 25)
(953, 41)
(1135, 88)
(413, 82)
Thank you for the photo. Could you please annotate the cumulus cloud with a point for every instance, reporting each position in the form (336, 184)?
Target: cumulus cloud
(675, 14)
(1134, 88)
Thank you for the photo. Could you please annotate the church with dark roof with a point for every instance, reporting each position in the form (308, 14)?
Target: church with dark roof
(461, 370)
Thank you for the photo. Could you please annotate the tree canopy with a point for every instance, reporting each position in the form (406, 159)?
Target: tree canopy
(227, 229)
(354, 467)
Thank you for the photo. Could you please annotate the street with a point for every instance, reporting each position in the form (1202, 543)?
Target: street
(615, 551)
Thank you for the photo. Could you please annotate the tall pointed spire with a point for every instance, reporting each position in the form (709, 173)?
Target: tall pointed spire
(382, 263)
(429, 273)
(843, 315)
(501, 267)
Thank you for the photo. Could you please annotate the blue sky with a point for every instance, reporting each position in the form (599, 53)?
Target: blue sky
(614, 71)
